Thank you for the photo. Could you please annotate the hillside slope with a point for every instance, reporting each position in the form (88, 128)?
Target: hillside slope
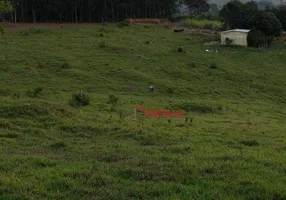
(231, 145)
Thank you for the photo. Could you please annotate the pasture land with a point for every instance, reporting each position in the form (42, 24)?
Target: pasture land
(231, 145)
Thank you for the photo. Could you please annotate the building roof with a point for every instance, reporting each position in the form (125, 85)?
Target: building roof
(237, 30)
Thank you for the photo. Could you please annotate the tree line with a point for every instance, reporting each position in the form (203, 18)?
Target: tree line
(84, 10)
(92, 10)
(234, 14)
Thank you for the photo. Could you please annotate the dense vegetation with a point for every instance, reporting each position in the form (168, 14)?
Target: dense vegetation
(66, 96)
(265, 26)
(92, 10)
(281, 15)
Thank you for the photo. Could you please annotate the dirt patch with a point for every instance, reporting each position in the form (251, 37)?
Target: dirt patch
(20, 26)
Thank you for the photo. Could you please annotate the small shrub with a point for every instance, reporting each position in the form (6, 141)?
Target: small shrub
(170, 91)
(34, 92)
(102, 44)
(65, 66)
(180, 49)
(208, 26)
(112, 99)
(103, 30)
(25, 33)
(79, 99)
(101, 35)
(122, 24)
(58, 145)
(1, 30)
(207, 170)
(249, 143)
(5, 92)
(104, 24)
(145, 26)
(193, 65)
(40, 65)
(228, 41)
(112, 109)
(213, 66)
(16, 95)
(121, 116)
(147, 42)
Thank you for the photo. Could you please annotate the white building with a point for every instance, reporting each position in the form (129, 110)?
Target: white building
(237, 36)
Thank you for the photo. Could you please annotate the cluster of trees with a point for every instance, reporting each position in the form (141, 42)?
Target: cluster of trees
(264, 24)
(93, 10)
(88, 10)
(280, 13)
(235, 14)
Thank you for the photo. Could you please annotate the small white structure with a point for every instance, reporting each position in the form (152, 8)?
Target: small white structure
(237, 36)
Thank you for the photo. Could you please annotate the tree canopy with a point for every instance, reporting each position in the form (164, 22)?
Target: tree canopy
(5, 7)
(236, 14)
(281, 15)
(89, 10)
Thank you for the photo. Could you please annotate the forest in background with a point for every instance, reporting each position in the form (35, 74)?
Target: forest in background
(85, 10)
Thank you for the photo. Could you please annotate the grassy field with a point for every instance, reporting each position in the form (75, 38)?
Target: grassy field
(231, 145)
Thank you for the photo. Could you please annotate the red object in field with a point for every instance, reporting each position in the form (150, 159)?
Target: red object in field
(160, 113)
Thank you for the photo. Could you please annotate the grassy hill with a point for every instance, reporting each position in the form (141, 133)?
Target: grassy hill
(231, 145)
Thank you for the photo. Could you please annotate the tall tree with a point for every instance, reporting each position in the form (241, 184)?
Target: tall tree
(281, 15)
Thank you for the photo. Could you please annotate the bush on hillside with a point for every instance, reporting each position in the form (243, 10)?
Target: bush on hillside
(34, 92)
(1, 30)
(79, 99)
(112, 99)
(101, 44)
(213, 66)
(267, 23)
(66, 66)
(122, 24)
(180, 49)
(256, 38)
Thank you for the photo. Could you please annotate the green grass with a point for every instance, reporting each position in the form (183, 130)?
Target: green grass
(202, 24)
(232, 145)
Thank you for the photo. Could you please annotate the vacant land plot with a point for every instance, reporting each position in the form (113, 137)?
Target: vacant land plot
(231, 145)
